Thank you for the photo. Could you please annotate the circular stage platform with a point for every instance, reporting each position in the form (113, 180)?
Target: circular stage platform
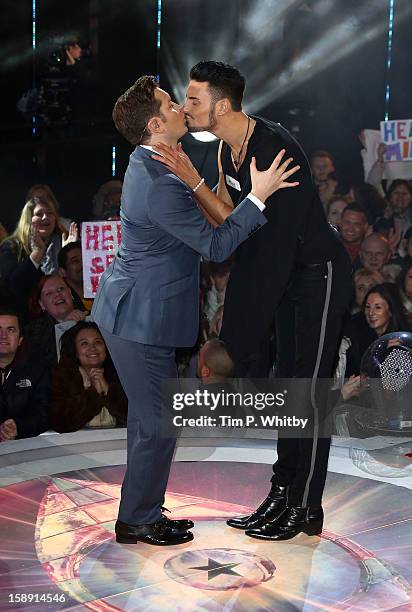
(59, 498)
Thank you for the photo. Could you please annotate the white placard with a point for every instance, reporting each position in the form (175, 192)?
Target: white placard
(100, 241)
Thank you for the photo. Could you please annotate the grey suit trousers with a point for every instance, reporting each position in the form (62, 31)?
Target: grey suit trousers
(141, 369)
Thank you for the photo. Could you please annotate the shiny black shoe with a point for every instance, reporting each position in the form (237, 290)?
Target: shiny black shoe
(294, 520)
(182, 524)
(160, 533)
(269, 510)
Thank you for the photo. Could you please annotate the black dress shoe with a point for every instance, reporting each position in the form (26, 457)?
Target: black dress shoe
(269, 510)
(161, 533)
(182, 524)
(294, 520)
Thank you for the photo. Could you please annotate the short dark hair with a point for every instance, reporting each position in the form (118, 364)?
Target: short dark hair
(64, 251)
(225, 81)
(355, 207)
(135, 108)
(11, 312)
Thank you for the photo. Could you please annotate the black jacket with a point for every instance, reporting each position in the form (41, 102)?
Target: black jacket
(20, 277)
(297, 233)
(24, 396)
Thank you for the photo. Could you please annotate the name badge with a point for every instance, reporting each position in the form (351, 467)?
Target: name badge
(233, 182)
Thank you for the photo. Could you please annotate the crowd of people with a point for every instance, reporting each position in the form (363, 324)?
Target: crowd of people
(56, 372)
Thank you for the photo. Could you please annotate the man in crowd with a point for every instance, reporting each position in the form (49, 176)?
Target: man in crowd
(353, 229)
(25, 384)
(147, 302)
(71, 269)
(215, 365)
(375, 253)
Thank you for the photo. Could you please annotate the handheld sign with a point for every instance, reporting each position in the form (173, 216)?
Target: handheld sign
(397, 135)
(100, 241)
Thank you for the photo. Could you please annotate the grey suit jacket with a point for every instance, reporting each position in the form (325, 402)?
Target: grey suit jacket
(150, 293)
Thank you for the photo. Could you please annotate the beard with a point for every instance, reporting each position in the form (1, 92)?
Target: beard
(205, 128)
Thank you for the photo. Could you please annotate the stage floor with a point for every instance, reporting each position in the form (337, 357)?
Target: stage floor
(59, 497)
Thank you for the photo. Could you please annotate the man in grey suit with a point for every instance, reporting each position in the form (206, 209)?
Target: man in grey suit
(147, 302)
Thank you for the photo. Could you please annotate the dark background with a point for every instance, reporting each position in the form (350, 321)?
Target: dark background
(326, 106)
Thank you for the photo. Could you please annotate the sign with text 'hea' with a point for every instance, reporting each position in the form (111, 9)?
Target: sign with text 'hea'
(397, 135)
(100, 241)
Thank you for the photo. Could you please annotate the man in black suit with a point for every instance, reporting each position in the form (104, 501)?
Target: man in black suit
(294, 274)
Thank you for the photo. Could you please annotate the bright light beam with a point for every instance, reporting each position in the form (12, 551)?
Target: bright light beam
(389, 60)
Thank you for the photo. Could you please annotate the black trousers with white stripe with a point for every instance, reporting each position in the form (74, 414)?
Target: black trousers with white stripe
(309, 325)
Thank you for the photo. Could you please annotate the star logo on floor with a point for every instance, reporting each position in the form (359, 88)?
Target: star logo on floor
(219, 569)
(215, 569)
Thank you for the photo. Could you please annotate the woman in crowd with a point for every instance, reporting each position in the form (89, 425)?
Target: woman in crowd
(398, 215)
(86, 391)
(335, 208)
(44, 192)
(381, 314)
(32, 249)
(50, 304)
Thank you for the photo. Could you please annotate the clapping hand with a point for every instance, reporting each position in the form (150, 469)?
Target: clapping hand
(98, 380)
(72, 236)
(8, 430)
(351, 387)
(39, 244)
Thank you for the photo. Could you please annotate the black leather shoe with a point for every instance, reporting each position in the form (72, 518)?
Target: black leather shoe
(294, 520)
(182, 524)
(160, 533)
(269, 510)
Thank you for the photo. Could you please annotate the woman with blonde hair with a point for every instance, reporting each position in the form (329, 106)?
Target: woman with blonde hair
(32, 249)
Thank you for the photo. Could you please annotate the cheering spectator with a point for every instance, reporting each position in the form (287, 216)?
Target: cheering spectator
(32, 248)
(399, 217)
(381, 313)
(25, 384)
(86, 391)
(71, 269)
(50, 304)
(374, 255)
(354, 227)
(364, 280)
(335, 208)
(44, 192)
